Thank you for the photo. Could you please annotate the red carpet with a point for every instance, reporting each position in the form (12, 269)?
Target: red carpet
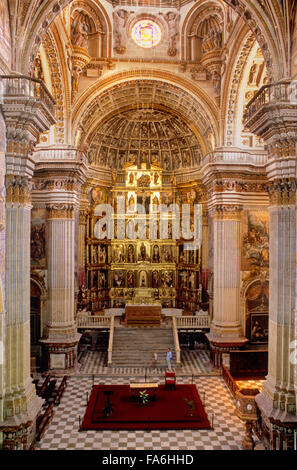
(168, 411)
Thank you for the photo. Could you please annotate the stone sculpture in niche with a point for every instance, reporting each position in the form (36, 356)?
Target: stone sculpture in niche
(80, 28)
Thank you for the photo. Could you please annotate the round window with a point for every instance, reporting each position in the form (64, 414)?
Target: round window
(146, 33)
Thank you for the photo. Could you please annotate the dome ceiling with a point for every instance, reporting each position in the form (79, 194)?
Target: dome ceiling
(153, 136)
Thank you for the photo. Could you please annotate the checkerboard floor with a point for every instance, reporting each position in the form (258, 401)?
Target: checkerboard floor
(192, 362)
(63, 433)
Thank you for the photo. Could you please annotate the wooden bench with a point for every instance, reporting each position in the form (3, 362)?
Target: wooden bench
(44, 421)
(60, 391)
(42, 389)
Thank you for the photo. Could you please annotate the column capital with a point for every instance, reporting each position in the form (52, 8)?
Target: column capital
(227, 212)
(60, 211)
(282, 192)
(18, 190)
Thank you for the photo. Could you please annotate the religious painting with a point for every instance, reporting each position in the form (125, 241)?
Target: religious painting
(131, 254)
(143, 252)
(156, 254)
(167, 254)
(259, 328)
(38, 238)
(183, 279)
(167, 279)
(119, 279)
(155, 279)
(130, 280)
(118, 254)
(102, 280)
(256, 241)
(191, 280)
(102, 254)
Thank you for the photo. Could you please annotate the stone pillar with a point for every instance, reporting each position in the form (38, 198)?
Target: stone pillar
(272, 115)
(226, 312)
(82, 232)
(28, 110)
(226, 332)
(205, 269)
(278, 397)
(62, 340)
(20, 392)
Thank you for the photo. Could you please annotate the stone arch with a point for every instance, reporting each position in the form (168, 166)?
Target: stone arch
(258, 18)
(263, 24)
(167, 91)
(40, 21)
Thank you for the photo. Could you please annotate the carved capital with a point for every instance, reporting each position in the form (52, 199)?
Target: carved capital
(19, 141)
(18, 190)
(282, 192)
(282, 148)
(228, 212)
(83, 217)
(60, 211)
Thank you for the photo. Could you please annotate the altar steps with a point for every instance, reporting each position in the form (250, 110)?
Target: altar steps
(133, 347)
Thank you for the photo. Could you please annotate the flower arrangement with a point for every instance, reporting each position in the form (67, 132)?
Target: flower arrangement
(144, 397)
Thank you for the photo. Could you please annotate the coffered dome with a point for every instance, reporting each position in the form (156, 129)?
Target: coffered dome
(145, 135)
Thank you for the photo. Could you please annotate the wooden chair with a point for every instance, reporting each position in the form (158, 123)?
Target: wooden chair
(170, 380)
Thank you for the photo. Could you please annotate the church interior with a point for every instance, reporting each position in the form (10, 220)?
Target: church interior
(148, 204)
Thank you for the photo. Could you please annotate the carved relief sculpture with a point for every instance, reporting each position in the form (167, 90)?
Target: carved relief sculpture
(119, 20)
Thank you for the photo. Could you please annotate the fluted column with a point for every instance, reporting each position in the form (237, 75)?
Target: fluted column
(28, 110)
(278, 396)
(272, 115)
(82, 247)
(61, 328)
(20, 392)
(226, 311)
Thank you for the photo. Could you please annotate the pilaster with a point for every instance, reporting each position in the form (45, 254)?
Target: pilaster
(58, 186)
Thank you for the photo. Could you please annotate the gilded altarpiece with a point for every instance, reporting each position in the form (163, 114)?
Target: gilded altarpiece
(144, 261)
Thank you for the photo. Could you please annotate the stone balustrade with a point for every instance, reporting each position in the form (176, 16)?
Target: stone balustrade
(92, 321)
(276, 93)
(27, 87)
(233, 157)
(60, 153)
(201, 321)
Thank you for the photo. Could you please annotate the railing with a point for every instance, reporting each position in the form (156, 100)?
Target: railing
(176, 341)
(269, 94)
(110, 342)
(242, 157)
(21, 85)
(230, 382)
(62, 153)
(200, 321)
(92, 321)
